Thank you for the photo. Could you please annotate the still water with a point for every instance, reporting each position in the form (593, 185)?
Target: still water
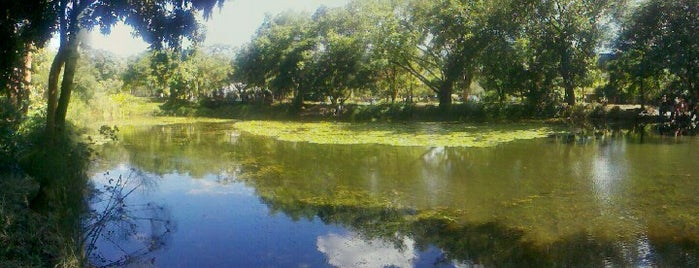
(207, 195)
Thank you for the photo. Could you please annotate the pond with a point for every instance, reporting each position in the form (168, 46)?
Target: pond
(212, 195)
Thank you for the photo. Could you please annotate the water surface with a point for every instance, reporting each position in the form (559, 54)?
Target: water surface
(208, 195)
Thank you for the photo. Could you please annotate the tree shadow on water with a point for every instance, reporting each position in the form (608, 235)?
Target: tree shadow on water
(122, 229)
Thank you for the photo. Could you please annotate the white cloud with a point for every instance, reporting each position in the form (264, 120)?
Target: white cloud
(209, 186)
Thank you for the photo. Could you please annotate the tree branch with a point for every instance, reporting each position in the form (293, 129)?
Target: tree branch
(408, 67)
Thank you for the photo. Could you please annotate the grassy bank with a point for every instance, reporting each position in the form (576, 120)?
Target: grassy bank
(29, 238)
(41, 198)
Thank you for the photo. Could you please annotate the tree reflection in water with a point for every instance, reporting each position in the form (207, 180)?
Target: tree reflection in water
(121, 228)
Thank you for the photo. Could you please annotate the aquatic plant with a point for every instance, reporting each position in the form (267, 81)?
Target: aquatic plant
(397, 134)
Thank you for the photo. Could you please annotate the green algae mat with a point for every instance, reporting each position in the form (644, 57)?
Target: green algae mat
(399, 134)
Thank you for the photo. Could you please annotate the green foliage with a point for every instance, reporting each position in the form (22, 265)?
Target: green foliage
(382, 112)
(192, 75)
(278, 57)
(529, 56)
(179, 108)
(657, 49)
(24, 25)
(538, 51)
(464, 112)
(546, 47)
(438, 42)
(139, 77)
(8, 142)
(341, 65)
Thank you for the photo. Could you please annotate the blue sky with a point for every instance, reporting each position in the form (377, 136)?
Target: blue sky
(234, 25)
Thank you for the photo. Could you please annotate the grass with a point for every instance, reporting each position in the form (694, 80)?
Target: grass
(25, 242)
(30, 238)
(127, 110)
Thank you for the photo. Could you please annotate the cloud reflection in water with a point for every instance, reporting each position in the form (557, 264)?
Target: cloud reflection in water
(351, 250)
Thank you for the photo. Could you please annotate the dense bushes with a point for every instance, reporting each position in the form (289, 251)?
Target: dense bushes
(578, 115)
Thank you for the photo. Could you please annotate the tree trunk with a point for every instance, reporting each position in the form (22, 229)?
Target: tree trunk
(444, 94)
(26, 80)
(466, 92)
(71, 62)
(567, 78)
(298, 99)
(54, 72)
(694, 84)
(642, 93)
(393, 76)
(570, 94)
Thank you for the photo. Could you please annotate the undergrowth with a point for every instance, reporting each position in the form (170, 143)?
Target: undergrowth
(42, 185)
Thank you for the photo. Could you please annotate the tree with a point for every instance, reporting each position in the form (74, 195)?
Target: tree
(504, 61)
(212, 71)
(564, 34)
(436, 41)
(277, 56)
(161, 23)
(536, 47)
(660, 39)
(368, 23)
(190, 75)
(98, 72)
(249, 68)
(138, 77)
(24, 26)
(342, 63)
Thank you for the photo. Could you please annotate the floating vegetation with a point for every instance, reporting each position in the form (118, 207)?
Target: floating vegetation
(169, 120)
(398, 134)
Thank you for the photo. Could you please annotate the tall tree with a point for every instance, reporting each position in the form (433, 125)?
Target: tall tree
(503, 64)
(661, 38)
(342, 63)
(436, 41)
(138, 78)
(566, 33)
(24, 25)
(278, 55)
(376, 20)
(161, 23)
